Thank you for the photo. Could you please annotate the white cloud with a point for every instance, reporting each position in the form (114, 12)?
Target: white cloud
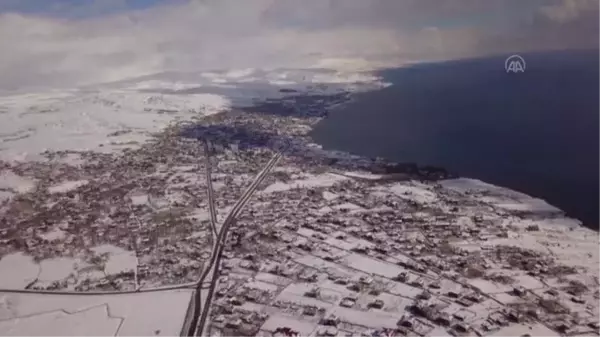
(217, 34)
(568, 10)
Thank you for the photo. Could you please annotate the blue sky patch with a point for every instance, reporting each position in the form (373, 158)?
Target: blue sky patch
(77, 8)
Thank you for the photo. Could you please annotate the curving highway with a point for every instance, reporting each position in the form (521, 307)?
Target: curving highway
(199, 319)
(211, 191)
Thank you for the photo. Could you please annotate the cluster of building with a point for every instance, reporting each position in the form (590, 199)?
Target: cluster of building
(441, 288)
(320, 250)
(370, 255)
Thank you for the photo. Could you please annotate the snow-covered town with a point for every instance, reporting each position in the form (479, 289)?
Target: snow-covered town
(329, 244)
(294, 168)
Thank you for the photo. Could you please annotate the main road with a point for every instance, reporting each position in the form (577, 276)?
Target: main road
(211, 191)
(199, 319)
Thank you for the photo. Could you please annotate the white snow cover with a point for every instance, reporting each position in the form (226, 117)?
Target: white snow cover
(55, 234)
(300, 299)
(92, 321)
(489, 287)
(500, 196)
(261, 285)
(322, 180)
(370, 319)
(304, 328)
(107, 117)
(139, 199)
(119, 260)
(17, 270)
(120, 263)
(372, 266)
(414, 191)
(125, 315)
(108, 249)
(102, 120)
(271, 278)
(9, 180)
(363, 175)
(111, 116)
(405, 290)
(537, 329)
(329, 196)
(348, 206)
(67, 186)
(56, 269)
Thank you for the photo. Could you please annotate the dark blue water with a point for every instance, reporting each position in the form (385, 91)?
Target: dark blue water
(535, 132)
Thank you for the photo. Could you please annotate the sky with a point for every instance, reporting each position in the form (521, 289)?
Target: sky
(76, 8)
(62, 43)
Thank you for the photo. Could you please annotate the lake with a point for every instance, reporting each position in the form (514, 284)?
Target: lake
(535, 132)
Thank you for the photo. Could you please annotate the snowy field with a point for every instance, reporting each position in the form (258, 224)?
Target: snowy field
(323, 180)
(19, 270)
(111, 81)
(122, 315)
(500, 197)
(110, 117)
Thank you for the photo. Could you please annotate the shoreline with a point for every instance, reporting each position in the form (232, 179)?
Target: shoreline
(133, 225)
(172, 152)
(507, 130)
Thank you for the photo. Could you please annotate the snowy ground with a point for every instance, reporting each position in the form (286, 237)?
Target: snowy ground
(110, 118)
(19, 270)
(113, 116)
(114, 315)
(322, 180)
(91, 120)
(501, 197)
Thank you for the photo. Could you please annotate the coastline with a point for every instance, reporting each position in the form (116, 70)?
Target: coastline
(92, 204)
(472, 118)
